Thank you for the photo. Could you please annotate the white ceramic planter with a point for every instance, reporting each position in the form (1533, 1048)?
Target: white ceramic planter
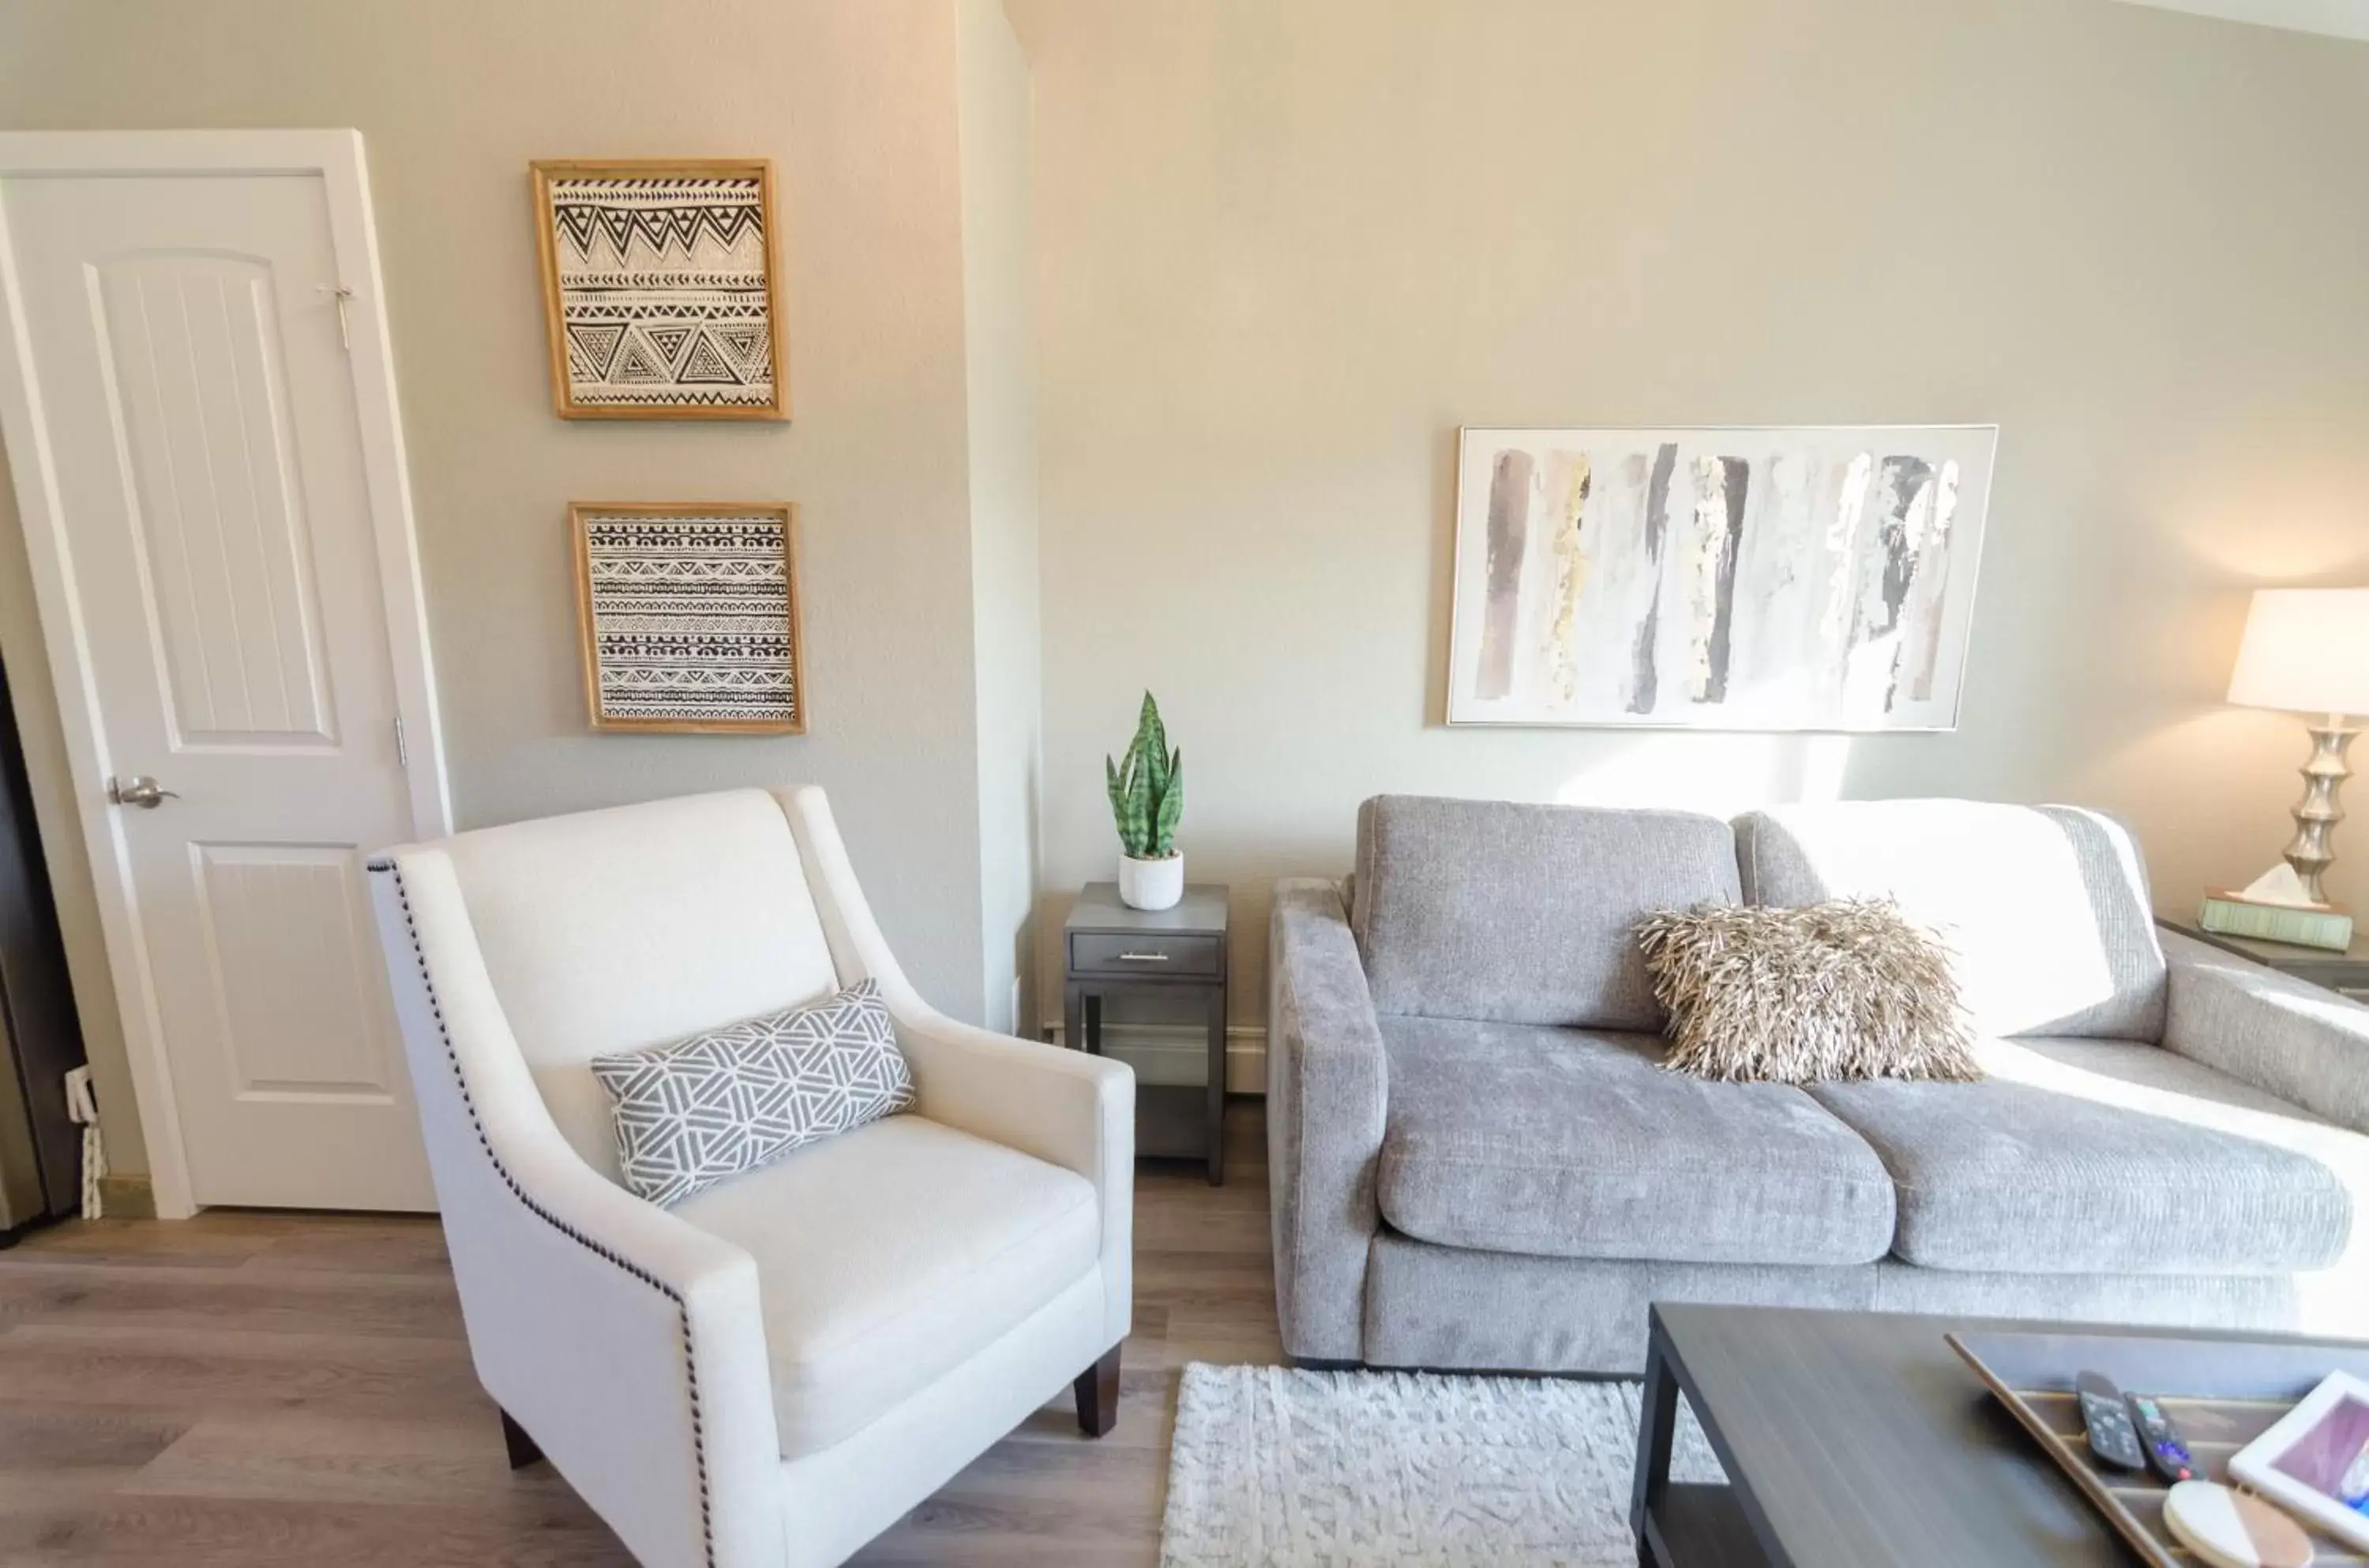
(1150, 884)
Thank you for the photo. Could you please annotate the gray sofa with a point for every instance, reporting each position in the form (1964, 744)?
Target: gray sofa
(1478, 1162)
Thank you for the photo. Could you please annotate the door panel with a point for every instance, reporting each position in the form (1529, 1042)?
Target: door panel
(208, 447)
(200, 413)
(295, 965)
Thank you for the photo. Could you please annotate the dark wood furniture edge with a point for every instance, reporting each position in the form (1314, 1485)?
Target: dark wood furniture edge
(2126, 1525)
(523, 1449)
(2195, 933)
(1665, 1374)
(2303, 954)
(1216, 1110)
(1697, 1523)
(1084, 989)
(1097, 1391)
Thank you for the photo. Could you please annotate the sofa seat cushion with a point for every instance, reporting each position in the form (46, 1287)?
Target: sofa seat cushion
(2107, 1157)
(891, 1254)
(1577, 1143)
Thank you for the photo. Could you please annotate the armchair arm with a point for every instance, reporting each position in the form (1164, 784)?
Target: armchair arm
(628, 1344)
(1327, 1093)
(1064, 1107)
(2301, 1043)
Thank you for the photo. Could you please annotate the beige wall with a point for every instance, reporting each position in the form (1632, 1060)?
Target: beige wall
(1286, 249)
(999, 329)
(856, 104)
(1281, 252)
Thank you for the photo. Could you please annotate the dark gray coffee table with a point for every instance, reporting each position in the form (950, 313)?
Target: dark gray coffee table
(1851, 1440)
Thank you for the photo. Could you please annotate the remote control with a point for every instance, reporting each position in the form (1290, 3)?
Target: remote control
(2112, 1435)
(2165, 1452)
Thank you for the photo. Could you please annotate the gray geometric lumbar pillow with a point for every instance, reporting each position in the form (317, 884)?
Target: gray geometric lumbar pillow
(690, 1114)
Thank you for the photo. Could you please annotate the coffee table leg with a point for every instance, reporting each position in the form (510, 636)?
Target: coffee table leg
(1656, 1425)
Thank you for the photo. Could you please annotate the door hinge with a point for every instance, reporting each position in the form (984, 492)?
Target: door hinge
(342, 294)
(402, 752)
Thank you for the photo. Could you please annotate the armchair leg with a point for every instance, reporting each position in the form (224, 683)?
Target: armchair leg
(523, 1448)
(1098, 1395)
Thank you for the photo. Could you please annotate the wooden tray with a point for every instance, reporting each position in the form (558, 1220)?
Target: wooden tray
(2221, 1393)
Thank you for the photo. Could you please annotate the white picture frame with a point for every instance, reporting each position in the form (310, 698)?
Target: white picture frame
(2272, 1466)
(1755, 578)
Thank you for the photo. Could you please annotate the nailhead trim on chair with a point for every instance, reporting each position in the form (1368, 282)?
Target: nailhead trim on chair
(689, 1364)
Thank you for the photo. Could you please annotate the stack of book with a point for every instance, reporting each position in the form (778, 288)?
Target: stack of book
(2305, 925)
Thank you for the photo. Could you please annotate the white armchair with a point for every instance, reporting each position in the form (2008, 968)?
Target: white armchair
(773, 1371)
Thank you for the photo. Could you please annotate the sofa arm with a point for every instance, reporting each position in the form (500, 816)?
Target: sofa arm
(629, 1343)
(1064, 1107)
(2299, 1042)
(1327, 1083)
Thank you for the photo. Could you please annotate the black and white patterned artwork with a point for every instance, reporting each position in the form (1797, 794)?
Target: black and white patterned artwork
(692, 1113)
(690, 617)
(660, 291)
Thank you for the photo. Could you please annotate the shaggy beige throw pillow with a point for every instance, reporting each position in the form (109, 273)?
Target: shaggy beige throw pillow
(1848, 989)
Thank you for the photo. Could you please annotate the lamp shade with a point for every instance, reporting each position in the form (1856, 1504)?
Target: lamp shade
(2306, 649)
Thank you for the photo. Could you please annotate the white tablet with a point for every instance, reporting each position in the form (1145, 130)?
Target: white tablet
(2314, 1463)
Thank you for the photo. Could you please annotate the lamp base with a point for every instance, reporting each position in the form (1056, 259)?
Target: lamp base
(2317, 814)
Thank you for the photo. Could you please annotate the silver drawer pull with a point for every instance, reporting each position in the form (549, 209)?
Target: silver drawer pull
(1143, 958)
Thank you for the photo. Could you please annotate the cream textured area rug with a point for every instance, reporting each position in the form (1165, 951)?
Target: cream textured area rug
(1280, 1469)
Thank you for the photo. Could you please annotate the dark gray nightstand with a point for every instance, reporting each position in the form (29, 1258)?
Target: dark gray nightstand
(2347, 973)
(1109, 948)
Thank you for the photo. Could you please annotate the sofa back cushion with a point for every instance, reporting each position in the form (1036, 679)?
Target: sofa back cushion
(2045, 908)
(615, 930)
(1525, 914)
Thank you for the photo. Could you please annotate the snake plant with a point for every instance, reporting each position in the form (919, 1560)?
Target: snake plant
(1147, 789)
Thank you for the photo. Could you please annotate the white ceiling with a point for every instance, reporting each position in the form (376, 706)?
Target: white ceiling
(2338, 19)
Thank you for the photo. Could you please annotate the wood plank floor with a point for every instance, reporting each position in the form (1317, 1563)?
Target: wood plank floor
(260, 1390)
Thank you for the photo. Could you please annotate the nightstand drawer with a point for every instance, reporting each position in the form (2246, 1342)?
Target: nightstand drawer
(1146, 956)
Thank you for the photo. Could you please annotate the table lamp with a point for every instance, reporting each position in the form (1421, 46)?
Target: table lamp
(2306, 650)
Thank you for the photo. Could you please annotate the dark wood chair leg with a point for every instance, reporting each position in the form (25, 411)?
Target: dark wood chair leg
(522, 1450)
(1098, 1395)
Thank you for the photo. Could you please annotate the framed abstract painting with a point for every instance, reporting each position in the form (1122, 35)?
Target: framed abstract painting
(659, 288)
(689, 616)
(1777, 579)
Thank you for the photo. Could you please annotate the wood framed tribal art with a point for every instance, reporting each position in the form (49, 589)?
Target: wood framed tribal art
(689, 616)
(659, 288)
(1768, 579)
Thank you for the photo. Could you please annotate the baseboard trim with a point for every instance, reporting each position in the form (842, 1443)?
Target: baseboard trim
(128, 1197)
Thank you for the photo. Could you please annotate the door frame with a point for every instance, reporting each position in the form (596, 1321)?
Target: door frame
(337, 157)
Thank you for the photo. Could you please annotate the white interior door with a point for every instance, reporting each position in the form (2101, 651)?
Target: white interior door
(192, 380)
